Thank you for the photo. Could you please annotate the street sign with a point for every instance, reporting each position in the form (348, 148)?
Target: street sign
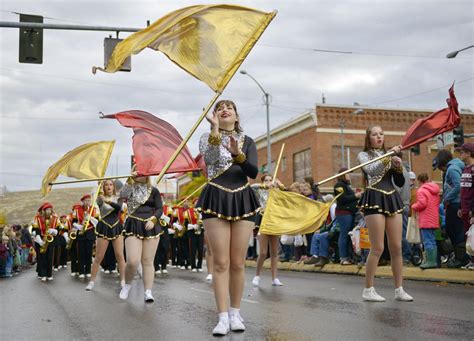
(444, 140)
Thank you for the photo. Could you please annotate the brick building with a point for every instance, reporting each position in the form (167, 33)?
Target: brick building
(313, 141)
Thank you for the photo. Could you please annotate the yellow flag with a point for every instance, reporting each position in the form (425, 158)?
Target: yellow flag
(208, 41)
(88, 161)
(292, 213)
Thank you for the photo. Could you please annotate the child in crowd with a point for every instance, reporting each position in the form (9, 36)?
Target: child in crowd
(4, 253)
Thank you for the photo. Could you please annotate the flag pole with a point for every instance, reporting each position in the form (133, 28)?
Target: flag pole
(355, 168)
(278, 163)
(87, 180)
(194, 192)
(92, 207)
(186, 139)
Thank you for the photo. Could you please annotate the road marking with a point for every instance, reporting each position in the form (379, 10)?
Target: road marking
(210, 292)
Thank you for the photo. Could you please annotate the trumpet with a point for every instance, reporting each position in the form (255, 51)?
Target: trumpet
(72, 237)
(47, 240)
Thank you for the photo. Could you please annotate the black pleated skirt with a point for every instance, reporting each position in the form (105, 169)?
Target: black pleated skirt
(232, 206)
(373, 201)
(109, 231)
(136, 228)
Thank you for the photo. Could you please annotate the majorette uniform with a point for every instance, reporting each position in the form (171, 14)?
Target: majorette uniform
(143, 204)
(110, 226)
(44, 231)
(380, 196)
(228, 194)
(196, 238)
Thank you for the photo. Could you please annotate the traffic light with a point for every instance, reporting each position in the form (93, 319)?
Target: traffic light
(458, 136)
(31, 41)
(415, 149)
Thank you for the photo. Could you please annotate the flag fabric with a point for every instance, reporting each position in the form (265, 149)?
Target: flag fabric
(88, 161)
(292, 213)
(154, 141)
(437, 123)
(208, 41)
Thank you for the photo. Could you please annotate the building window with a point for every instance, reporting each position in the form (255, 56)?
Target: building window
(302, 165)
(283, 164)
(350, 154)
(264, 169)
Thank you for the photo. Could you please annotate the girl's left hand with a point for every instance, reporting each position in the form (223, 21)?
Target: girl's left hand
(396, 162)
(149, 225)
(233, 146)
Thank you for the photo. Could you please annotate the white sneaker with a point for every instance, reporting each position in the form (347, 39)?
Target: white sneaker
(401, 295)
(124, 292)
(164, 271)
(73, 274)
(102, 270)
(194, 270)
(55, 269)
(81, 276)
(50, 278)
(90, 286)
(256, 281)
(157, 272)
(88, 275)
(107, 272)
(370, 295)
(209, 278)
(65, 266)
(236, 323)
(113, 271)
(173, 266)
(199, 270)
(60, 267)
(221, 328)
(149, 297)
(44, 279)
(276, 283)
(183, 267)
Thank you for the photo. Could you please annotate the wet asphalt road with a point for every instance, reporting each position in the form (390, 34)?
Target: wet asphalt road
(309, 306)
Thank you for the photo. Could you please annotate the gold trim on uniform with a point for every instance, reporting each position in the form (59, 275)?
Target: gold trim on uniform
(228, 189)
(144, 220)
(239, 159)
(221, 216)
(141, 237)
(381, 190)
(108, 225)
(108, 238)
(377, 207)
(215, 139)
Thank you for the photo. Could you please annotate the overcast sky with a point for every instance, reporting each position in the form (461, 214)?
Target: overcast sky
(398, 60)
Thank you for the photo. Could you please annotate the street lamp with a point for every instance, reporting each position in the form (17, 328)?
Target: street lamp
(455, 53)
(342, 123)
(267, 104)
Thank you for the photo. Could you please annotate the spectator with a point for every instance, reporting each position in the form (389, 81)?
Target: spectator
(452, 170)
(314, 188)
(345, 214)
(427, 206)
(4, 253)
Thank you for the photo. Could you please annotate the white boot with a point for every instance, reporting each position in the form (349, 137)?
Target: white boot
(401, 295)
(370, 295)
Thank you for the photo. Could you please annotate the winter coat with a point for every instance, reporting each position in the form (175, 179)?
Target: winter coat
(452, 182)
(348, 200)
(427, 205)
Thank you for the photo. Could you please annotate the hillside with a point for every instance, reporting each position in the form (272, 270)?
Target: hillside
(20, 207)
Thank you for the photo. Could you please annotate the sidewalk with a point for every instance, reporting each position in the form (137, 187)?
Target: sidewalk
(409, 272)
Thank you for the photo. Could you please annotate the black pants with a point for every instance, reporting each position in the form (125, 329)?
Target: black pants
(197, 247)
(109, 262)
(73, 256)
(454, 224)
(174, 250)
(161, 255)
(85, 256)
(183, 251)
(45, 262)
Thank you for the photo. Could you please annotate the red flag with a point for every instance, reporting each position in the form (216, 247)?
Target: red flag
(200, 163)
(437, 123)
(154, 141)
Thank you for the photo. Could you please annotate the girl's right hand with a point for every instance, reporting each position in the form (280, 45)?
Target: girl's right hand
(213, 120)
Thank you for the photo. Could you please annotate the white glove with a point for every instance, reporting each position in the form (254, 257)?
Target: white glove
(177, 226)
(39, 240)
(93, 221)
(200, 216)
(165, 218)
(170, 231)
(192, 226)
(66, 237)
(33, 234)
(77, 226)
(53, 232)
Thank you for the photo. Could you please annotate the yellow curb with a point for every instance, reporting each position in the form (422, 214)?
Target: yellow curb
(413, 273)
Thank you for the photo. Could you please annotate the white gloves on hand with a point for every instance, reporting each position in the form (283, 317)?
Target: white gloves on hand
(53, 232)
(77, 226)
(165, 218)
(178, 226)
(170, 231)
(39, 240)
(192, 226)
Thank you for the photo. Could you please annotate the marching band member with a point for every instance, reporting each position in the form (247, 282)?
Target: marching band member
(142, 231)
(382, 207)
(85, 235)
(109, 228)
(196, 239)
(72, 243)
(60, 258)
(44, 230)
(180, 225)
(161, 256)
(228, 207)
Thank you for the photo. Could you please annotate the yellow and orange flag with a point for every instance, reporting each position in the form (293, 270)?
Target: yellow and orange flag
(88, 161)
(208, 41)
(292, 213)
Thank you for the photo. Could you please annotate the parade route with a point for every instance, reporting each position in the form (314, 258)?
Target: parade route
(310, 306)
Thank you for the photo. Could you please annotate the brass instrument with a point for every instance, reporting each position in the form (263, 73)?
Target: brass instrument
(181, 233)
(163, 222)
(72, 237)
(48, 238)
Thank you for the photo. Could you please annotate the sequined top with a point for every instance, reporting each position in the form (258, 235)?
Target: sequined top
(217, 158)
(375, 171)
(262, 194)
